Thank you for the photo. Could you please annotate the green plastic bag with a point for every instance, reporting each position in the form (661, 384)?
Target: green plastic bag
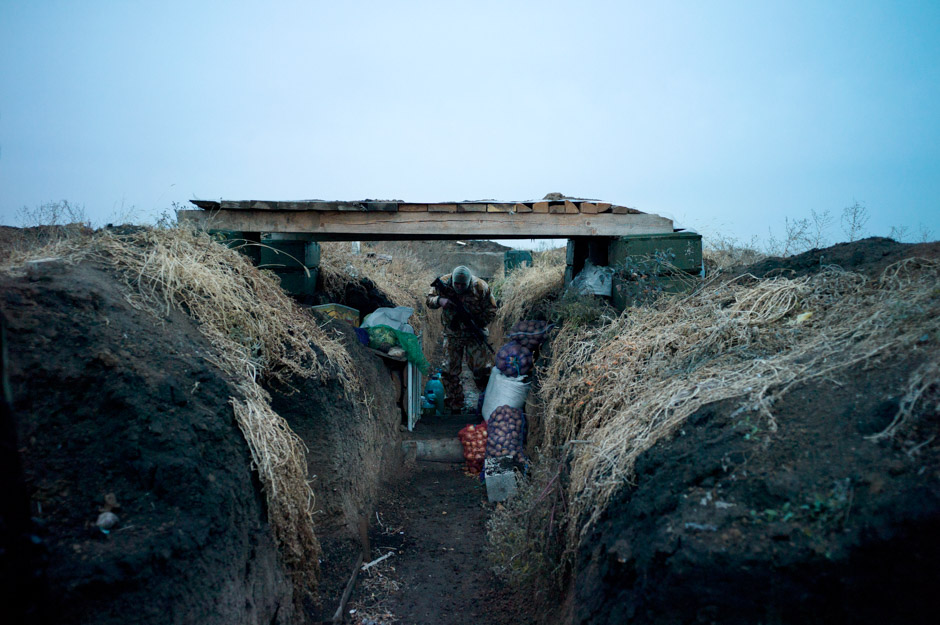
(383, 338)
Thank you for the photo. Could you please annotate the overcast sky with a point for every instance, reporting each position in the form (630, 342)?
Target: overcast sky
(727, 116)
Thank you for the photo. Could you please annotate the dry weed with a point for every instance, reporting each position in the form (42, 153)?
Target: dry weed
(522, 289)
(621, 387)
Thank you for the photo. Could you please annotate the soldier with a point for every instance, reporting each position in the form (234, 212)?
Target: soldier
(468, 308)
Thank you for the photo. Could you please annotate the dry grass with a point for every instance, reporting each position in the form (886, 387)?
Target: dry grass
(624, 386)
(723, 252)
(524, 288)
(258, 333)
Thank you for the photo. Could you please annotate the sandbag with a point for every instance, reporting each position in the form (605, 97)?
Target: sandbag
(504, 391)
(473, 439)
(505, 434)
(530, 333)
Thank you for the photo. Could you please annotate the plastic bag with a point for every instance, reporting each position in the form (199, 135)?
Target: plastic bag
(593, 280)
(504, 391)
(384, 338)
(395, 318)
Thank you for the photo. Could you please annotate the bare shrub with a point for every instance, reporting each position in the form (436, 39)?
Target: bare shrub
(59, 213)
(796, 238)
(854, 219)
(820, 222)
(898, 233)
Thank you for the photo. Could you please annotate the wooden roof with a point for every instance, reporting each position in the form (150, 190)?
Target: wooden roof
(397, 220)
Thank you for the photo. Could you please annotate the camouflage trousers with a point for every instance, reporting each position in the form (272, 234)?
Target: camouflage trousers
(456, 350)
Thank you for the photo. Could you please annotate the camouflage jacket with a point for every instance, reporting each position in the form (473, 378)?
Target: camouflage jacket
(477, 299)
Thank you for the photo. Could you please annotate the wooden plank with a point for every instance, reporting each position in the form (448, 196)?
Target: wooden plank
(522, 208)
(300, 205)
(540, 207)
(499, 208)
(587, 208)
(442, 208)
(413, 208)
(556, 208)
(602, 207)
(377, 205)
(366, 226)
(571, 208)
(207, 204)
(467, 207)
(624, 210)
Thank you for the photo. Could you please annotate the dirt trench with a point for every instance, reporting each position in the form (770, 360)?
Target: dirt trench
(114, 410)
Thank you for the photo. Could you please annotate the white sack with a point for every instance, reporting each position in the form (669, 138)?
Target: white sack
(395, 318)
(502, 390)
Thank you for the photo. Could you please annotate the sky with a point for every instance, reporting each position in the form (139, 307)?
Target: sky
(726, 116)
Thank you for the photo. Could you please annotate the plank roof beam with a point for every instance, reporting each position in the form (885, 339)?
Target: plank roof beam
(381, 224)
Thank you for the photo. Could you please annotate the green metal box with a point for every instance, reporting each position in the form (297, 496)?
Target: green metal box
(299, 282)
(236, 240)
(288, 254)
(682, 249)
(512, 259)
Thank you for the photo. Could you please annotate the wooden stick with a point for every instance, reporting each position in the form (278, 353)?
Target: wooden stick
(366, 567)
(338, 616)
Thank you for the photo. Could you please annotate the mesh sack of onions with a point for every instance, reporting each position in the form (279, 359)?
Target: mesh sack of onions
(473, 439)
(506, 434)
(513, 360)
(530, 333)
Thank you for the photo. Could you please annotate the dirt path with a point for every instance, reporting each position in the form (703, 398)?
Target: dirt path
(433, 521)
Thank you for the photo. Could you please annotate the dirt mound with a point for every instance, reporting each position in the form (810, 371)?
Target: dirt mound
(733, 521)
(868, 256)
(116, 411)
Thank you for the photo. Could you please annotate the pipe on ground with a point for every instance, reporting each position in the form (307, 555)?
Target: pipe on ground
(434, 450)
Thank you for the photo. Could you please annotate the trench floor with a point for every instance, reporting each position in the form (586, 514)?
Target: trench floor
(432, 521)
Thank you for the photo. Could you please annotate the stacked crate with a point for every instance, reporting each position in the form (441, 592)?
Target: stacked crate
(295, 258)
(682, 250)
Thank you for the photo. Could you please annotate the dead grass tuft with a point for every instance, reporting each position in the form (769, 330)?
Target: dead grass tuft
(523, 289)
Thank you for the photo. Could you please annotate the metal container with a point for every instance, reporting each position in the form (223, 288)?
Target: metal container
(513, 259)
(682, 249)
